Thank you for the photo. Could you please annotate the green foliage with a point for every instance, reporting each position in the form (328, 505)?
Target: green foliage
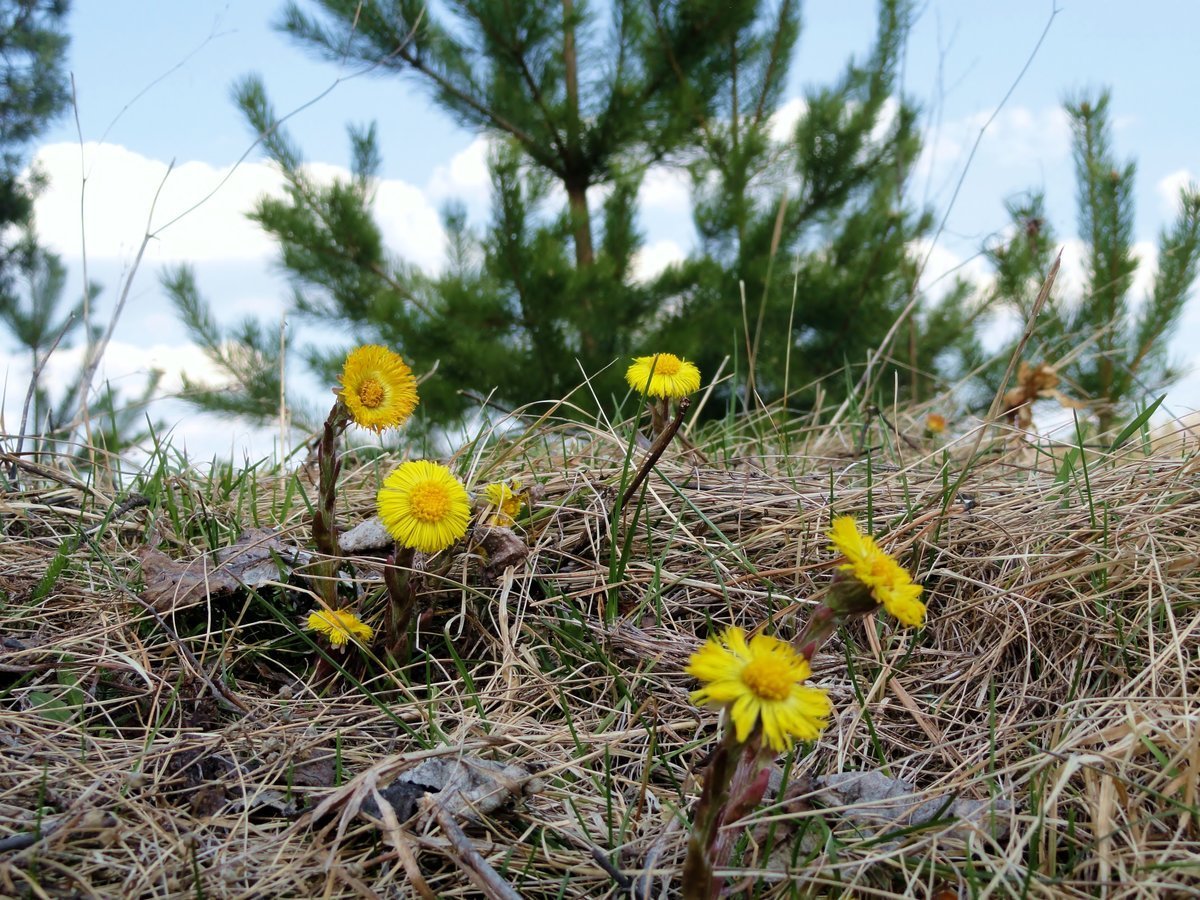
(815, 228)
(33, 91)
(32, 315)
(30, 311)
(1109, 345)
(544, 293)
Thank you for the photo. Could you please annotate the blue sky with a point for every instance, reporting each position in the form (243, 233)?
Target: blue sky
(154, 79)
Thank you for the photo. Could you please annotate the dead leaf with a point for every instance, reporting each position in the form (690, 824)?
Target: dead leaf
(466, 787)
(1033, 383)
(316, 771)
(875, 805)
(503, 548)
(252, 561)
(880, 803)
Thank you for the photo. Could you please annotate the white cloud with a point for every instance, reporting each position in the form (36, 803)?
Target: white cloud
(1020, 136)
(120, 189)
(117, 199)
(943, 266)
(1073, 274)
(1017, 147)
(411, 227)
(666, 188)
(465, 177)
(886, 120)
(783, 122)
(124, 366)
(1168, 189)
(653, 258)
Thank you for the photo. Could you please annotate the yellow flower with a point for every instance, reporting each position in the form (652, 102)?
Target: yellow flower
(888, 581)
(339, 626)
(935, 423)
(673, 377)
(424, 506)
(760, 681)
(378, 388)
(505, 499)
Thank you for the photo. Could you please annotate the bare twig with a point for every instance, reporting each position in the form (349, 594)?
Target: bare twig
(33, 380)
(915, 296)
(93, 360)
(656, 450)
(471, 860)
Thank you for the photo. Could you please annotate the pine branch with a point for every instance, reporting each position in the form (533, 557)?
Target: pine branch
(1178, 267)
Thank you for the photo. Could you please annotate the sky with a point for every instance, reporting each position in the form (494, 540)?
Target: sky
(153, 85)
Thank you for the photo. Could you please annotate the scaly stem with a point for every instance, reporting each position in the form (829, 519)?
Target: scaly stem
(820, 625)
(746, 789)
(698, 865)
(324, 525)
(402, 602)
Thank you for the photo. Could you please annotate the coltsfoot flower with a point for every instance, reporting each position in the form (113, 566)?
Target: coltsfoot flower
(423, 506)
(504, 501)
(672, 377)
(760, 680)
(378, 388)
(888, 582)
(935, 423)
(339, 626)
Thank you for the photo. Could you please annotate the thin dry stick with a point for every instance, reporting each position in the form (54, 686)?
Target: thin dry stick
(282, 387)
(704, 397)
(93, 361)
(656, 450)
(776, 236)
(87, 294)
(1030, 324)
(471, 860)
(33, 380)
(874, 357)
(220, 693)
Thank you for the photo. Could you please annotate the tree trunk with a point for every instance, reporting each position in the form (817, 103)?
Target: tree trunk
(582, 222)
(576, 186)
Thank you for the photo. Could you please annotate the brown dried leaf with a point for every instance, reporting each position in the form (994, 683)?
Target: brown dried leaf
(1034, 383)
(466, 787)
(878, 802)
(316, 771)
(250, 563)
(503, 548)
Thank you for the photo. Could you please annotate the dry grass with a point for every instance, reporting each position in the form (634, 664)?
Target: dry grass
(1060, 671)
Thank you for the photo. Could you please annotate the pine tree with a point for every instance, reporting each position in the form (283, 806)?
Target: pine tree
(31, 312)
(1114, 344)
(33, 91)
(814, 231)
(539, 298)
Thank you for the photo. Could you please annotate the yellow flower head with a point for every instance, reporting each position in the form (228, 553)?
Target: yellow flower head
(504, 499)
(935, 423)
(888, 581)
(424, 506)
(339, 626)
(672, 377)
(378, 388)
(762, 680)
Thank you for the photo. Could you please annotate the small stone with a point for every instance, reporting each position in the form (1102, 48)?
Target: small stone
(368, 535)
